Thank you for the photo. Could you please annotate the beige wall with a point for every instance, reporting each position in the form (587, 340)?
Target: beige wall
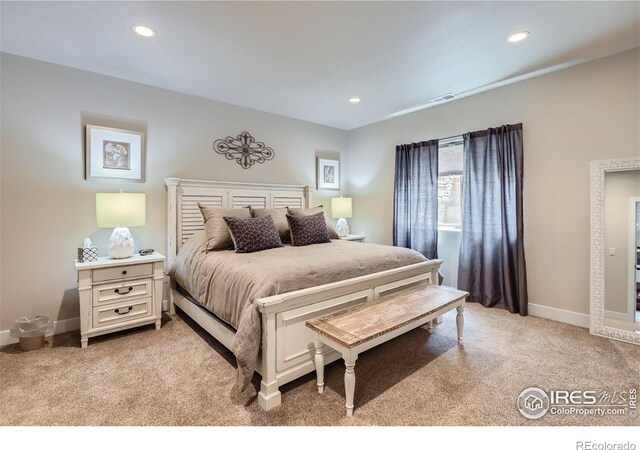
(619, 187)
(570, 117)
(48, 207)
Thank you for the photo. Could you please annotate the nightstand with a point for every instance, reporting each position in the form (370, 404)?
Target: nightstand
(116, 294)
(354, 237)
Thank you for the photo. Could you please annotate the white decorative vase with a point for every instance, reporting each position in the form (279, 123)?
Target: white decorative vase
(342, 227)
(121, 243)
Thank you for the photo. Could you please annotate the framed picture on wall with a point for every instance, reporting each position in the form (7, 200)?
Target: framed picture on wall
(327, 174)
(112, 153)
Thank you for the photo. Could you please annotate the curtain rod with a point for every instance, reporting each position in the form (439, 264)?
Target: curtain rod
(450, 141)
(457, 137)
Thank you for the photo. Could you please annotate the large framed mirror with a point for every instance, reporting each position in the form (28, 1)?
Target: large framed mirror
(615, 249)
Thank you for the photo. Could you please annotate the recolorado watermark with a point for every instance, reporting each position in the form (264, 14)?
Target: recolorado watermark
(534, 403)
(588, 445)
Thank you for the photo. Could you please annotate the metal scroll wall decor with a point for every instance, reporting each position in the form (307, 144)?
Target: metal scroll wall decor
(244, 149)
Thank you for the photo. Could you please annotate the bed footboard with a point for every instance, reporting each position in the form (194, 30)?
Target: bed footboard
(287, 344)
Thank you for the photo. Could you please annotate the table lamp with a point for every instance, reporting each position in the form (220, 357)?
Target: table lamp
(341, 210)
(120, 210)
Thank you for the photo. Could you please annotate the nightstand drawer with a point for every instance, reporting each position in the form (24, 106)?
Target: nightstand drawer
(122, 272)
(122, 291)
(116, 294)
(121, 312)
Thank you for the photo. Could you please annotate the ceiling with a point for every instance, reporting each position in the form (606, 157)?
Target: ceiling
(306, 59)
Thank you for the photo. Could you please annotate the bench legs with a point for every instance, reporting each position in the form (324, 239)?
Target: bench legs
(429, 326)
(460, 321)
(319, 361)
(350, 356)
(349, 382)
(349, 374)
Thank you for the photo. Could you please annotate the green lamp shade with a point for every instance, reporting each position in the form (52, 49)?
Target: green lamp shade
(120, 210)
(341, 207)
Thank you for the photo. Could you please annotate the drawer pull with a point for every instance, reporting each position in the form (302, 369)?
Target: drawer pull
(117, 311)
(117, 291)
(124, 272)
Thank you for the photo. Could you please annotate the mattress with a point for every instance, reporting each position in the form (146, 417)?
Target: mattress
(228, 283)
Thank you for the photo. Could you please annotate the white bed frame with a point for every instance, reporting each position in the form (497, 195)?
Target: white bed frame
(287, 344)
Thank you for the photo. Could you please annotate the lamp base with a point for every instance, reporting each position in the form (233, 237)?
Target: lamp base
(342, 227)
(121, 243)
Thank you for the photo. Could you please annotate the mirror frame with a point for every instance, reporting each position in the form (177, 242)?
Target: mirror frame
(596, 320)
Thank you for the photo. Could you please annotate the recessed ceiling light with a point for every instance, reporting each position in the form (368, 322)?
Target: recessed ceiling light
(517, 37)
(354, 100)
(144, 31)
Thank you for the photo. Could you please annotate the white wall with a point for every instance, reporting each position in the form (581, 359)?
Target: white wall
(570, 117)
(48, 207)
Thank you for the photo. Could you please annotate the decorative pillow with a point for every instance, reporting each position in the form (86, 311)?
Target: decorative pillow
(307, 230)
(333, 234)
(279, 216)
(254, 234)
(215, 227)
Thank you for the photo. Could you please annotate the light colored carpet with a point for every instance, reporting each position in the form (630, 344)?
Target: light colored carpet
(181, 376)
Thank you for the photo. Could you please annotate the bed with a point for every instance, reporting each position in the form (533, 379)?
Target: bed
(281, 288)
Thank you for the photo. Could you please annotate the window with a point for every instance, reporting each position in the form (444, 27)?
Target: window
(450, 184)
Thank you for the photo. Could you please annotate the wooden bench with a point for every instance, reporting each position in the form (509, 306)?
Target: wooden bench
(354, 330)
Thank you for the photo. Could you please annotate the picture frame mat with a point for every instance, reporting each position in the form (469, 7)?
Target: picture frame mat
(94, 170)
(321, 163)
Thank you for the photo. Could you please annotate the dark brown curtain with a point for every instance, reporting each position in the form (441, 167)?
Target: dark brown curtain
(415, 220)
(492, 264)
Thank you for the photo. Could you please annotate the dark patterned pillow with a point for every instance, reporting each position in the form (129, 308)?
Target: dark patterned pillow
(333, 234)
(253, 235)
(307, 230)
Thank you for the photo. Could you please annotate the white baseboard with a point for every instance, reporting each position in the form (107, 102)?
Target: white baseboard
(59, 326)
(559, 315)
(546, 312)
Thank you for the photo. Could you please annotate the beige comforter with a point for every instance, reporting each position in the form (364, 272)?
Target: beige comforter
(228, 283)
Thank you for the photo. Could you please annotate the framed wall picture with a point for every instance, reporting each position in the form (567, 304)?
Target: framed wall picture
(112, 153)
(328, 174)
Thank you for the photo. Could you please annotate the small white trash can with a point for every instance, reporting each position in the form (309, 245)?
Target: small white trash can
(31, 331)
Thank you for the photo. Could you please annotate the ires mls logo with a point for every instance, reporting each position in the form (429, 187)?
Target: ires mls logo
(573, 397)
(534, 403)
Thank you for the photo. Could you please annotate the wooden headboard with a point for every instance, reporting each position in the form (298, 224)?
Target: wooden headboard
(183, 196)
